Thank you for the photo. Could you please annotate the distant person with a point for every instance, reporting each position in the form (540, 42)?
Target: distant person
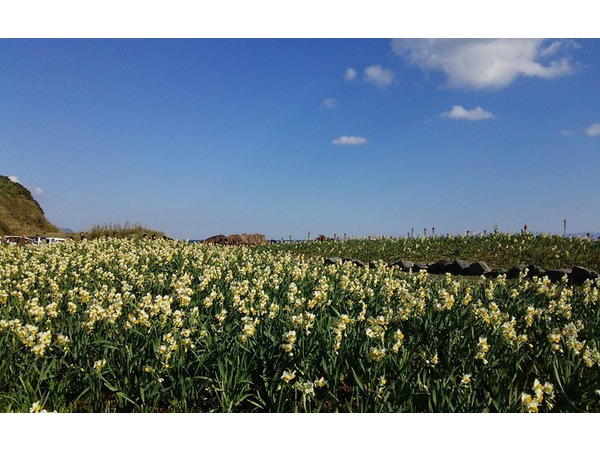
(144, 236)
(153, 237)
(82, 236)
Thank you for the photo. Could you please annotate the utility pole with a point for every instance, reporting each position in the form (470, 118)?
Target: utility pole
(564, 227)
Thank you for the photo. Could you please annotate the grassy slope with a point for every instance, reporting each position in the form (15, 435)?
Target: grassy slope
(20, 214)
(126, 231)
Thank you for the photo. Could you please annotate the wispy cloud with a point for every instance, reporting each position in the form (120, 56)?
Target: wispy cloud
(379, 76)
(330, 103)
(350, 74)
(14, 179)
(487, 63)
(349, 140)
(459, 113)
(593, 130)
(567, 133)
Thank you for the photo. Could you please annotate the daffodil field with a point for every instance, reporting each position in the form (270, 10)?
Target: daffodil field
(497, 249)
(168, 326)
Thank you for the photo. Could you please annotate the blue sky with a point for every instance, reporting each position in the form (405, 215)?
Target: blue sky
(288, 136)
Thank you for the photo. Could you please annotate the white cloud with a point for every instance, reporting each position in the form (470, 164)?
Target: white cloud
(350, 74)
(14, 179)
(330, 103)
(349, 140)
(487, 63)
(459, 113)
(593, 130)
(566, 133)
(37, 191)
(379, 76)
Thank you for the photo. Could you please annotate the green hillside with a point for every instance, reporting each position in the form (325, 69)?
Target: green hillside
(20, 214)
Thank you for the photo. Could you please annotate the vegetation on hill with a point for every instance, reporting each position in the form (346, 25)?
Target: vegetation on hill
(20, 213)
(116, 230)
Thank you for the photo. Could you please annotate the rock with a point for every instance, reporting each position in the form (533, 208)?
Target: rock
(555, 275)
(356, 262)
(459, 267)
(418, 266)
(218, 239)
(246, 239)
(440, 267)
(404, 265)
(534, 271)
(496, 272)
(332, 260)
(515, 271)
(580, 274)
(478, 268)
(456, 267)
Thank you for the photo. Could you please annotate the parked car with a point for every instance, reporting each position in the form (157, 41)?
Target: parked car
(17, 240)
(52, 240)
